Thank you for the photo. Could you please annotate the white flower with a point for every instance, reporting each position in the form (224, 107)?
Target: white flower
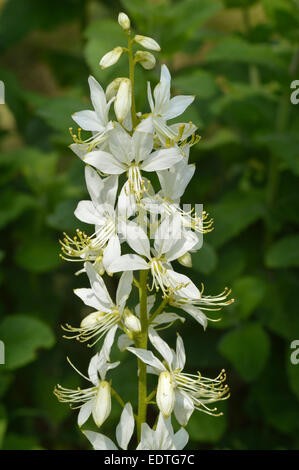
(163, 438)
(147, 43)
(132, 155)
(170, 243)
(124, 21)
(164, 108)
(107, 314)
(95, 400)
(104, 244)
(96, 121)
(191, 391)
(111, 57)
(124, 432)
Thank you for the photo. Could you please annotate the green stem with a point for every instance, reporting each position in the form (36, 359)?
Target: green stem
(141, 342)
(159, 309)
(117, 397)
(132, 79)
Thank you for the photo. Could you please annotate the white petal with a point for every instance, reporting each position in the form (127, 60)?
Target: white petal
(111, 252)
(124, 287)
(142, 142)
(123, 342)
(88, 297)
(147, 42)
(161, 159)
(98, 99)
(125, 427)
(93, 369)
(196, 313)
(94, 184)
(105, 162)
(98, 286)
(85, 412)
(148, 358)
(189, 290)
(88, 120)
(180, 353)
(167, 317)
(120, 144)
(99, 441)
(183, 407)
(128, 262)
(161, 346)
(110, 189)
(137, 239)
(177, 106)
(180, 439)
(86, 212)
(162, 90)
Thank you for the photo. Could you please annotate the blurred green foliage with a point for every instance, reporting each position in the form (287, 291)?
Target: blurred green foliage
(238, 57)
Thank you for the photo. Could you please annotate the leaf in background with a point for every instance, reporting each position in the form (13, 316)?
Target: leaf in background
(205, 428)
(222, 137)
(205, 259)
(248, 349)
(235, 49)
(248, 293)
(12, 205)
(233, 215)
(283, 253)
(3, 424)
(20, 442)
(196, 82)
(38, 255)
(285, 147)
(63, 216)
(23, 336)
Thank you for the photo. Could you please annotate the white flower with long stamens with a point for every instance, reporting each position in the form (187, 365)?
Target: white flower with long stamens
(163, 437)
(195, 304)
(169, 244)
(124, 431)
(96, 121)
(164, 108)
(104, 244)
(132, 155)
(95, 400)
(107, 314)
(190, 391)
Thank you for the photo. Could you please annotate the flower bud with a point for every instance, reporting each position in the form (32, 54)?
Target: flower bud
(122, 103)
(146, 59)
(102, 404)
(111, 57)
(131, 321)
(91, 319)
(147, 42)
(124, 21)
(185, 260)
(165, 393)
(113, 87)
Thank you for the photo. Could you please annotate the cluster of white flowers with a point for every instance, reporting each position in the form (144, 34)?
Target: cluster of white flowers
(155, 231)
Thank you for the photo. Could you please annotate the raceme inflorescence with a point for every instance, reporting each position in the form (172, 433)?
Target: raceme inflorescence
(137, 234)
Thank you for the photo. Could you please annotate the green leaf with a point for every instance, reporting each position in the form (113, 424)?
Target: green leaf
(235, 49)
(12, 205)
(23, 336)
(205, 428)
(205, 259)
(248, 349)
(285, 147)
(63, 216)
(234, 214)
(284, 253)
(38, 255)
(21, 442)
(3, 424)
(248, 293)
(197, 82)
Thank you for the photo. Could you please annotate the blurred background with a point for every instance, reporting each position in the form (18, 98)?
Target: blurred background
(239, 58)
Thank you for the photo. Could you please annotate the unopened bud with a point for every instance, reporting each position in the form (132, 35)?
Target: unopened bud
(165, 393)
(185, 260)
(111, 57)
(122, 103)
(92, 319)
(102, 404)
(146, 59)
(131, 321)
(124, 21)
(113, 87)
(148, 43)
